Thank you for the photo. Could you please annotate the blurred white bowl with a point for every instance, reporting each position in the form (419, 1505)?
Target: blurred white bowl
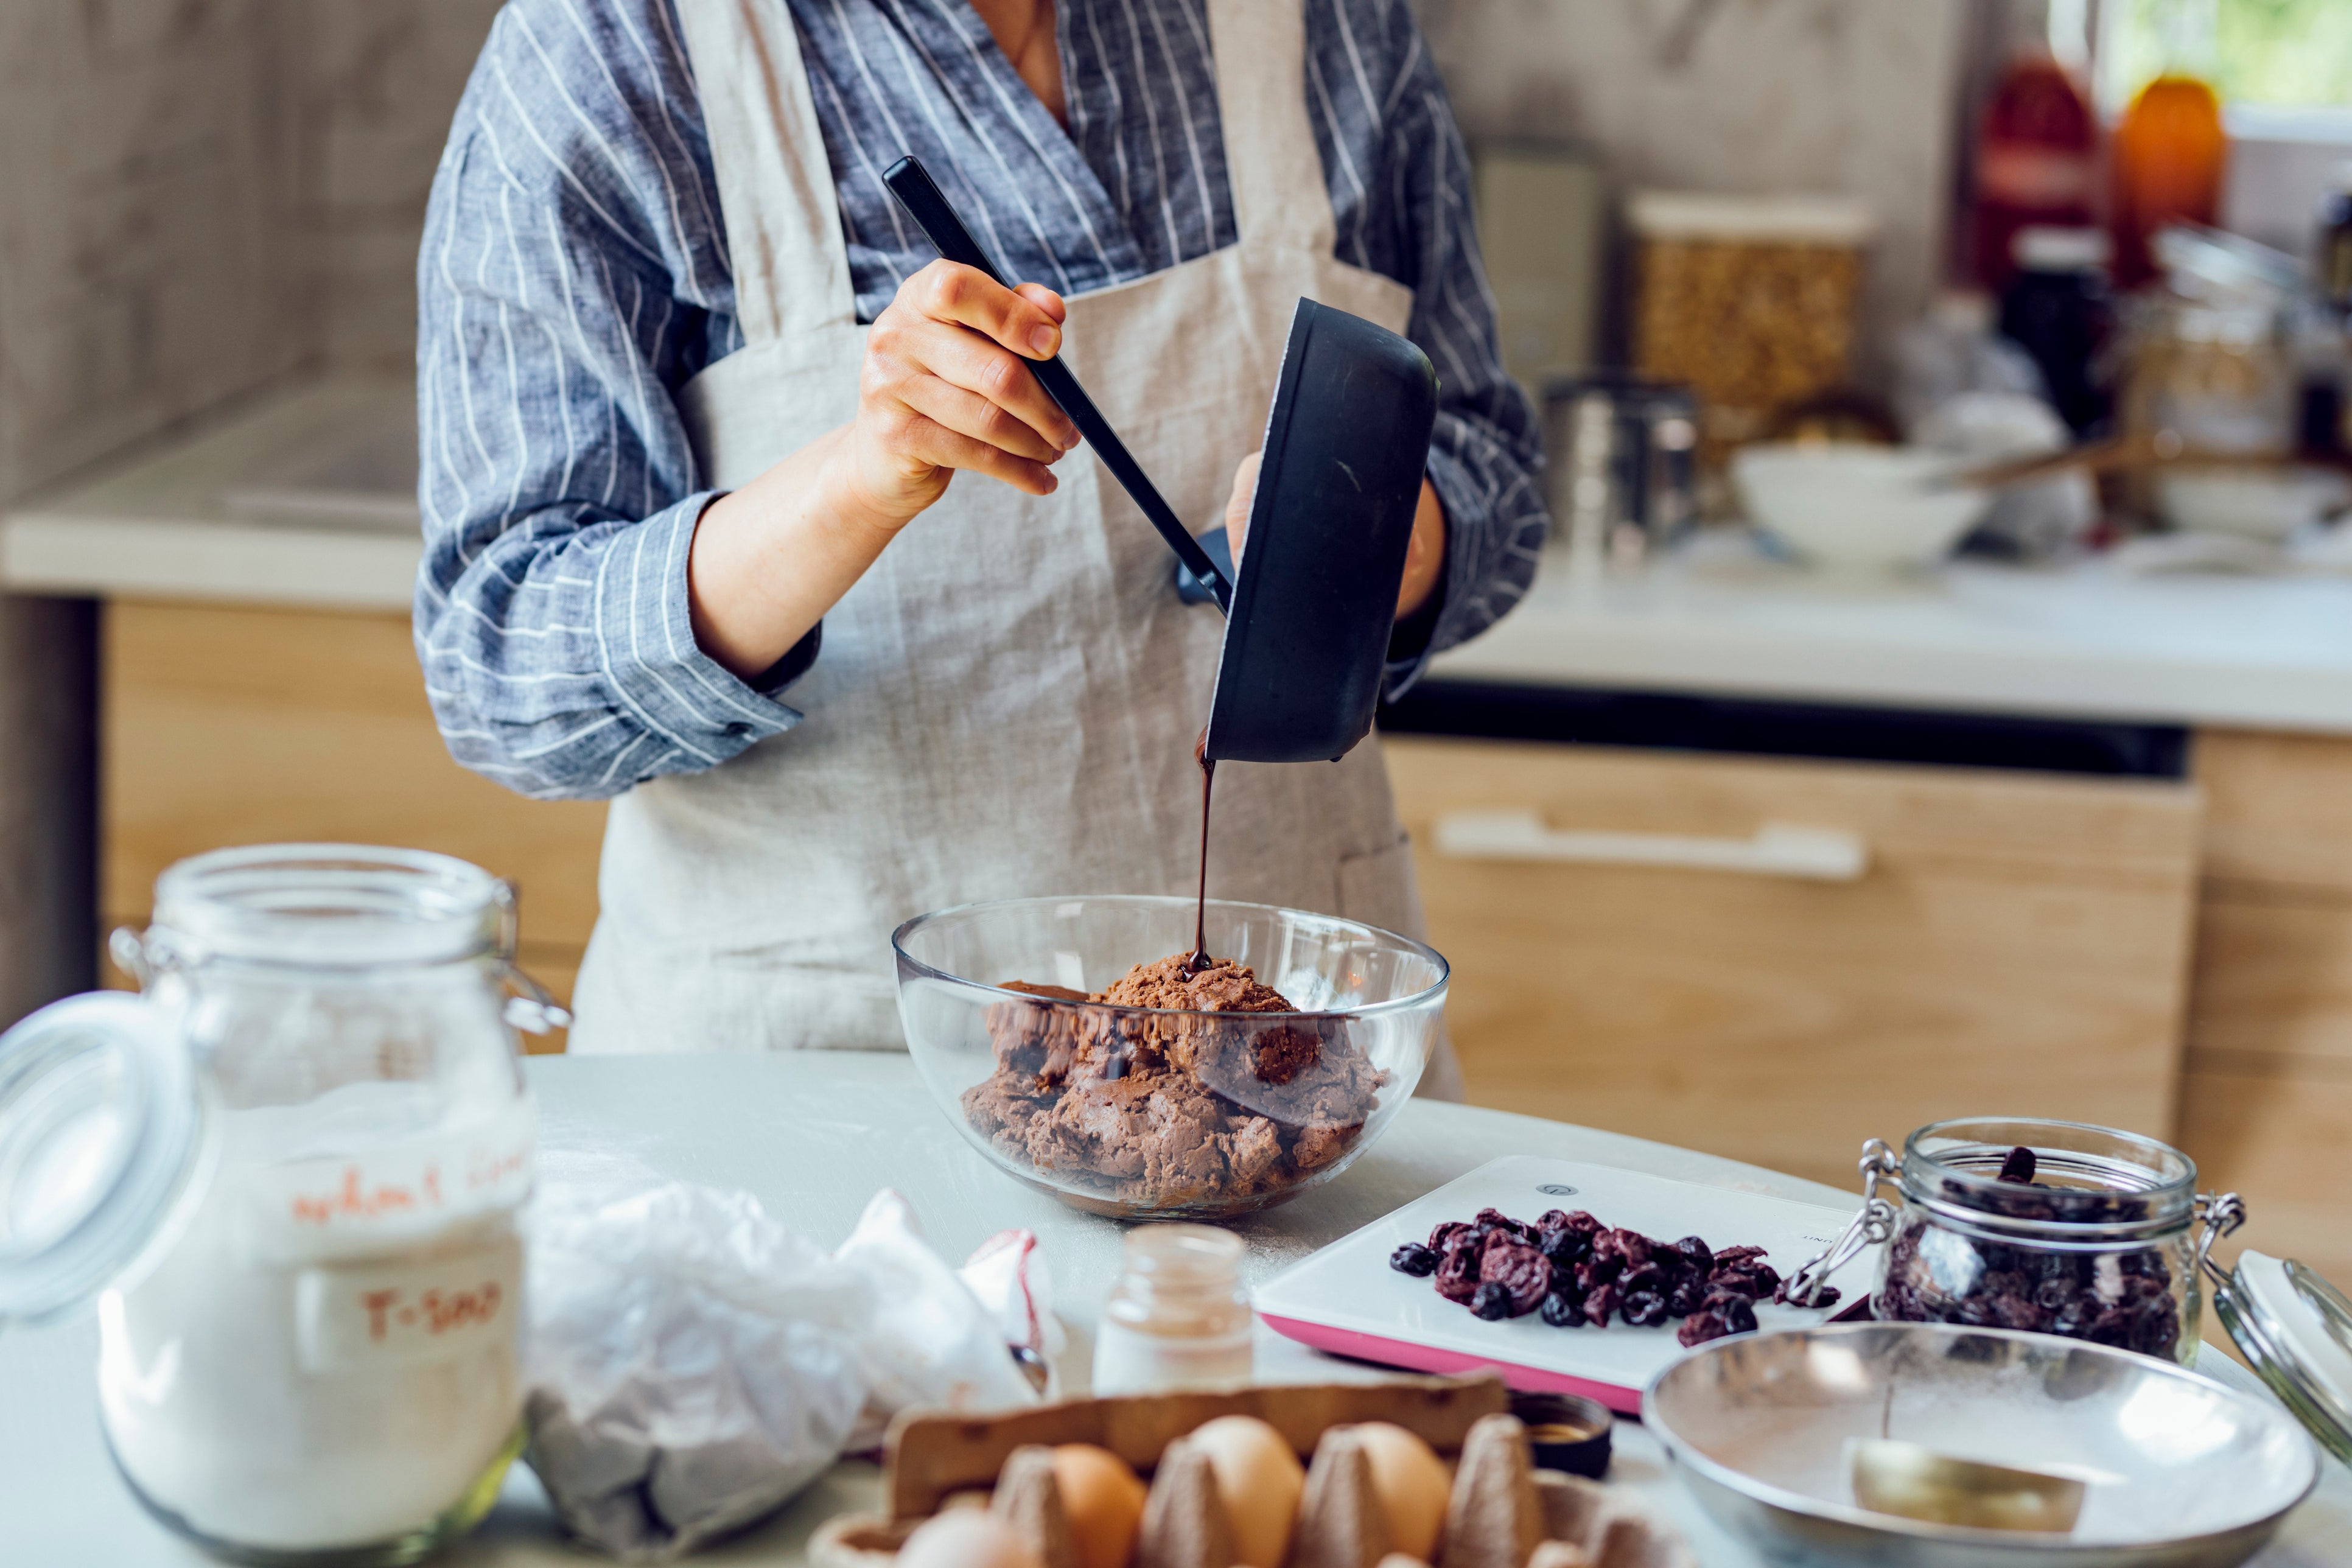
(1866, 507)
(2251, 503)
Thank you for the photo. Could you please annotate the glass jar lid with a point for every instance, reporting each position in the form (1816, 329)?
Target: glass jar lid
(2295, 1330)
(103, 1135)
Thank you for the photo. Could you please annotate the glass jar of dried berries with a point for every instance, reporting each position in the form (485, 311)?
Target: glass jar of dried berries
(2054, 1228)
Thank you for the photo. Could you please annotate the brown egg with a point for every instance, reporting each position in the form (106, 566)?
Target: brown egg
(1104, 1501)
(1260, 1478)
(966, 1538)
(1412, 1485)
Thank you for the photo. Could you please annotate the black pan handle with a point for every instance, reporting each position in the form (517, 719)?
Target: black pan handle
(916, 191)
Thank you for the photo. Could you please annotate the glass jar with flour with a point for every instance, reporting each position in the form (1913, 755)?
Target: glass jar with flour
(288, 1174)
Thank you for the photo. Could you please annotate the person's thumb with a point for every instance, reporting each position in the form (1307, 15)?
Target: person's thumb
(1237, 506)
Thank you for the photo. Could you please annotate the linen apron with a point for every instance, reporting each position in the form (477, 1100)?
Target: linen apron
(1005, 704)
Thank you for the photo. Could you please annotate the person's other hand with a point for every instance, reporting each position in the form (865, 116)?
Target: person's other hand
(1237, 505)
(946, 385)
(1424, 555)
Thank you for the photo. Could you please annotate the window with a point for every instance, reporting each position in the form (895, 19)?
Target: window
(2276, 53)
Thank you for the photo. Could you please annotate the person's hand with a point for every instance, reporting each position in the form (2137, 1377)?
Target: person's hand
(1424, 554)
(1237, 505)
(946, 385)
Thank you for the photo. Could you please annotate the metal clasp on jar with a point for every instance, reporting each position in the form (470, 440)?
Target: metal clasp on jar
(1872, 1226)
(2222, 1213)
(530, 1007)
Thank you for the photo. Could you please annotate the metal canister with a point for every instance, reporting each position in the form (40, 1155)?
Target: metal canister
(1621, 472)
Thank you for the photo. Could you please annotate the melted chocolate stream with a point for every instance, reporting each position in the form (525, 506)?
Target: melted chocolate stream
(1201, 960)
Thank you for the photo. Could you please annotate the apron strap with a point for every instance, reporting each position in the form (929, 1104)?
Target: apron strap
(775, 183)
(1272, 164)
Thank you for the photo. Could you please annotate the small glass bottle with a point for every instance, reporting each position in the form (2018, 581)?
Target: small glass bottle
(1177, 1317)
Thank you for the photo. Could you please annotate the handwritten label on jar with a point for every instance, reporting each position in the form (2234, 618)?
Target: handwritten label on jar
(414, 1187)
(410, 1311)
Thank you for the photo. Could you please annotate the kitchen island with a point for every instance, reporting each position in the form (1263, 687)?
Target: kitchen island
(812, 1135)
(2095, 828)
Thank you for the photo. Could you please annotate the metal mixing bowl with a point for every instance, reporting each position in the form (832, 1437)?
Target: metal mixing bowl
(2183, 1472)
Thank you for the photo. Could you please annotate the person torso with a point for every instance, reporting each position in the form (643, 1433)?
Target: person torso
(1004, 706)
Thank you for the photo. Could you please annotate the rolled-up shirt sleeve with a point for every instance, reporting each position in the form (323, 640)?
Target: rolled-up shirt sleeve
(1415, 224)
(560, 301)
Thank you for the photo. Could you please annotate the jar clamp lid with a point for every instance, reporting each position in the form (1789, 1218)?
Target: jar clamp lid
(2295, 1330)
(103, 1135)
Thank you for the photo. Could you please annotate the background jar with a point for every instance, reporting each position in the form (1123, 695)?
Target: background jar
(2102, 1246)
(290, 1173)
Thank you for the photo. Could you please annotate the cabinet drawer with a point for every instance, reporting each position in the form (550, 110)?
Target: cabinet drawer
(2274, 975)
(2010, 944)
(240, 726)
(2275, 1130)
(2278, 808)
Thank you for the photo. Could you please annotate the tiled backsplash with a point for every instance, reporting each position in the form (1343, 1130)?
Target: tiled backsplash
(202, 194)
(148, 240)
(197, 196)
(382, 81)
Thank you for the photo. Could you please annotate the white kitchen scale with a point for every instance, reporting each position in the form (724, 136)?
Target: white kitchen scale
(1347, 1299)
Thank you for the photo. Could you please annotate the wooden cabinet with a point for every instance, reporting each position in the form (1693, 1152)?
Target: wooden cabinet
(2266, 1090)
(225, 726)
(2015, 944)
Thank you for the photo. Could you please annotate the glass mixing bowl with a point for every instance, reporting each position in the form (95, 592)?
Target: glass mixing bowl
(1159, 1113)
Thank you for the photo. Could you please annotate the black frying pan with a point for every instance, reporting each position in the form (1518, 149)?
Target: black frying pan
(1308, 621)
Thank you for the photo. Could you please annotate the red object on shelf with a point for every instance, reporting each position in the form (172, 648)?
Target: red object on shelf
(2170, 153)
(2037, 161)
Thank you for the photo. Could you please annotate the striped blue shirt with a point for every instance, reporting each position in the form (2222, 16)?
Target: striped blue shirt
(574, 276)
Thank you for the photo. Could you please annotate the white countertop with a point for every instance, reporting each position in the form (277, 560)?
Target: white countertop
(812, 1135)
(300, 499)
(2080, 641)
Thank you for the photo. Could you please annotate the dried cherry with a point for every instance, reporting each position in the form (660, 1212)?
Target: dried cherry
(1520, 1270)
(1491, 1220)
(1457, 1274)
(1414, 1260)
(1648, 1279)
(1574, 1270)
(1643, 1309)
(1600, 1305)
(1564, 1243)
(1827, 1296)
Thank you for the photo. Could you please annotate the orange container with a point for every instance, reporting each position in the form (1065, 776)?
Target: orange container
(2169, 155)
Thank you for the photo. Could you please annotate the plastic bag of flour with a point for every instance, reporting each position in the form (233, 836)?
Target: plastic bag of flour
(693, 1363)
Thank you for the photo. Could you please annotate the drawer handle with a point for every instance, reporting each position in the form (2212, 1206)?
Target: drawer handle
(1776, 849)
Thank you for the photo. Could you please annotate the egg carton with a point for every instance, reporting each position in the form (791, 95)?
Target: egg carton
(1502, 1512)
